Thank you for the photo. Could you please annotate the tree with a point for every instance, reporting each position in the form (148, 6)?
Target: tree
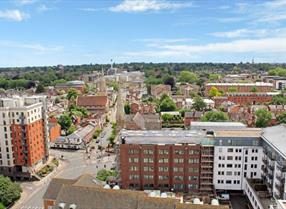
(278, 71)
(127, 108)
(263, 117)
(71, 129)
(279, 100)
(253, 89)
(214, 92)
(167, 104)
(281, 118)
(215, 116)
(72, 94)
(199, 104)
(65, 122)
(9, 191)
(188, 77)
(40, 88)
(214, 77)
(232, 89)
(169, 80)
(103, 174)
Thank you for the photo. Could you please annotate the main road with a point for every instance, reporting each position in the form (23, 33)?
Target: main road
(73, 164)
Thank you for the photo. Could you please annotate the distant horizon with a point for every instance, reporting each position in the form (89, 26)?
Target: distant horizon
(235, 63)
(45, 33)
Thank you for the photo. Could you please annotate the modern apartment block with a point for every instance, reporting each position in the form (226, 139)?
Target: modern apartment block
(200, 160)
(166, 160)
(237, 155)
(24, 135)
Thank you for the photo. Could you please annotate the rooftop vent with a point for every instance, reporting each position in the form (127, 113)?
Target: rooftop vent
(62, 205)
(72, 206)
(116, 187)
(106, 186)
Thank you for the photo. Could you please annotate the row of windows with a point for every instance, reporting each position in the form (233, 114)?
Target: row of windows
(228, 181)
(163, 177)
(229, 173)
(164, 152)
(163, 160)
(229, 157)
(164, 169)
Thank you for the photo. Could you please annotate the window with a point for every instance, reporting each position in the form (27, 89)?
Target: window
(229, 165)
(179, 178)
(146, 177)
(133, 168)
(148, 160)
(133, 160)
(219, 149)
(148, 168)
(194, 160)
(193, 178)
(229, 157)
(133, 177)
(178, 160)
(230, 150)
(163, 169)
(162, 177)
(229, 173)
(148, 152)
(179, 152)
(178, 169)
(194, 152)
(228, 181)
(221, 157)
(220, 181)
(221, 165)
(163, 152)
(163, 160)
(220, 172)
(133, 151)
(193, 170)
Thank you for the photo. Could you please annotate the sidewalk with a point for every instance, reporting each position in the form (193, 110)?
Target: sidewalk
(37, 185)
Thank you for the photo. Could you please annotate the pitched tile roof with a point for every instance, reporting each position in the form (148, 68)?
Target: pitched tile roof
(91, 100)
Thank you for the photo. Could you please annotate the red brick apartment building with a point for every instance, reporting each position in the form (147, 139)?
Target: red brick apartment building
(244, 98)
(240, 87)
(166, 160)
(23, 128)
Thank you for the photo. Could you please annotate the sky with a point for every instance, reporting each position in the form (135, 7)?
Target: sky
(52, 32)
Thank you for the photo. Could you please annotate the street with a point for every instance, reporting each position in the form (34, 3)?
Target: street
(73, 164)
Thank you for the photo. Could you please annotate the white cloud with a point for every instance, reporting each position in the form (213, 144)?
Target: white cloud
(163, 40)
(43, 8)
(257, 46)
(14, 15)
(25, 2)
(148, 5)
(34, 47)
(91, 9)
(242, 33)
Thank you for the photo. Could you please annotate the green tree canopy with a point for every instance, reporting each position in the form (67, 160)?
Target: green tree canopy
(127, 108)
(281, 118)
(188, 77)
(279, 100)
(167, 104)
(103, 174)
(263, 117)
(72, 94)
(169, 80)
(215, 116)
(65, 121)
(213, 77)
(214, 92)
(232, 89)
(278, 71)
(40, 88)
(199, 104)
(9, 191)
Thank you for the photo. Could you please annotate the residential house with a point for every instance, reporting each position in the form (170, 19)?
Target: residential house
(143, 122)
(94, 104)
(159, 90)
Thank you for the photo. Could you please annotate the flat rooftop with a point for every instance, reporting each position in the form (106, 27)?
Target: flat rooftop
(165, 137)
(275, 136)
(250, 132)
(217, 125)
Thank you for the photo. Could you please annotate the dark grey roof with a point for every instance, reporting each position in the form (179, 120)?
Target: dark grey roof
(55, 186)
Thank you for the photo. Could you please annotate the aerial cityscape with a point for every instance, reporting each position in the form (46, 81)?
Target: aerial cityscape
(142, 104)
